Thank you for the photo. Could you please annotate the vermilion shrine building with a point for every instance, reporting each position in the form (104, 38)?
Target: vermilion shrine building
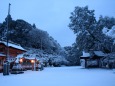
(14, 50)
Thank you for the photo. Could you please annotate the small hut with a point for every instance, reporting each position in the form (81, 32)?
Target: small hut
(91, 59)
(84, 58)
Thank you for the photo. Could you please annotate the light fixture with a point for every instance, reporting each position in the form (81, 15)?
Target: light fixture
(21, 60)
(32, 61)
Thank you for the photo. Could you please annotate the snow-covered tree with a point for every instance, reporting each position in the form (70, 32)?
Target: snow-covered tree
(29, 36)
(72, 54)
(83, 24)
(89, 31)
(106, 21)
(82, 20)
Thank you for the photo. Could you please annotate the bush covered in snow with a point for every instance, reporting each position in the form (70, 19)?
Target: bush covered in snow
(57, 61)
(109, 60)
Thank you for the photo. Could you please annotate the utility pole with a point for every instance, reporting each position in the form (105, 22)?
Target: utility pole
(7, 52)
(6, 65)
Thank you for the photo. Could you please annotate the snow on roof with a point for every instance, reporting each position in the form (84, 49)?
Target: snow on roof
(85, 54)
(99, 53)
(31, 58)
(19, 56)
(17, 46)
(2, 54)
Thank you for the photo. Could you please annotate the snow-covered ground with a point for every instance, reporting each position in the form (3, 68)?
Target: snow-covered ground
(61, 76)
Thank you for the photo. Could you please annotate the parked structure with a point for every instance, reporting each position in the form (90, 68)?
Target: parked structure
(13, 51)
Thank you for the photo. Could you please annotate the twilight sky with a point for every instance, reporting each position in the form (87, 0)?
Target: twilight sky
(53, 15)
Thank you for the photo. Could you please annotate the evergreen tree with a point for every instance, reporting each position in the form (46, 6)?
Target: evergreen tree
(89, 31)
(83, 24)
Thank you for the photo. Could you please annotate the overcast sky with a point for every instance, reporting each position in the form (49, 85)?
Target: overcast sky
(53, 15)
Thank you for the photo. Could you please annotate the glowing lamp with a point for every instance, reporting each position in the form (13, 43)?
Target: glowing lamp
(21, 60)
(32, 61)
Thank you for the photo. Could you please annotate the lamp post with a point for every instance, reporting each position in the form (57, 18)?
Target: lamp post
(32, 61)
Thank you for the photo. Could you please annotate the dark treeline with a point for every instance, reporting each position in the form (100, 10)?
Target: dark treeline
(28, 36)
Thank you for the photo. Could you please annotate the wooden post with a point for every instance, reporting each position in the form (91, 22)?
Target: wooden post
(32, 66)
(99, 63)
(85, 63)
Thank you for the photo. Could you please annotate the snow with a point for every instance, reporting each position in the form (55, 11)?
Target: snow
(61, 76)
(2, 54)
(31, 58)
(111, 32)
(99, 53)
(113, 42)
(85, 54)
(105, 30)
(18, 58)
(13, 45)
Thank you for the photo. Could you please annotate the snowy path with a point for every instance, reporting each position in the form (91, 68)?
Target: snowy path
(61, 76)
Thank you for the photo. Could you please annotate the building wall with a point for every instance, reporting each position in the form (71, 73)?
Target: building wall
(2, 58)
(2, 48)
(13, 52)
